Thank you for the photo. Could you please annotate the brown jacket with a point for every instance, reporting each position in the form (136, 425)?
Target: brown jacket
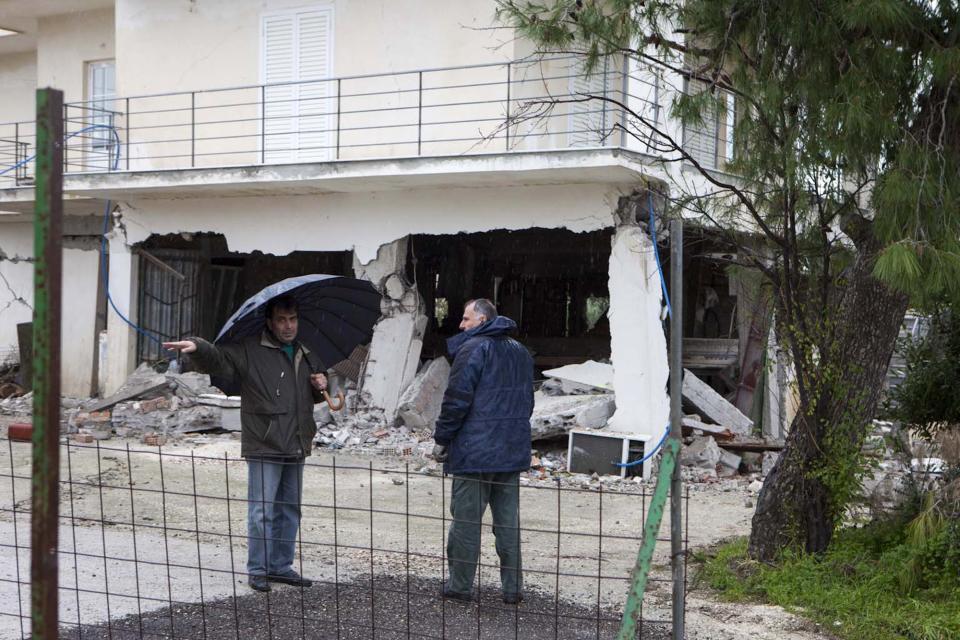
(276, 397)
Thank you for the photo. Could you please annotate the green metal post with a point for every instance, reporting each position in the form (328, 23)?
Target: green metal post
(666, 477)
(47, 278)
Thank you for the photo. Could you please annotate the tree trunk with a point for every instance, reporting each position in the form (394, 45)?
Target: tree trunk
(795, 507)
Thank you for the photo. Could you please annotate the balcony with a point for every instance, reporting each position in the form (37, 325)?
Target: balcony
(395, 124)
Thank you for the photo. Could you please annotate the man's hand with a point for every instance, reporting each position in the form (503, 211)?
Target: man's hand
(440, 453)
(183, 346)
(319, 381)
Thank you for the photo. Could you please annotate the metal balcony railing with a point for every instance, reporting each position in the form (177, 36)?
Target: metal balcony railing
(546, 104)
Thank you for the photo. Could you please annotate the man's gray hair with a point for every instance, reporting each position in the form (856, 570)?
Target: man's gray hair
(484, 307)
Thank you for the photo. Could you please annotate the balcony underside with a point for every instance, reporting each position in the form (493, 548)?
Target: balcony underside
(615, 167)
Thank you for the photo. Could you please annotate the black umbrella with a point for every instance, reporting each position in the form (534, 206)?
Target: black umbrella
(335, 314)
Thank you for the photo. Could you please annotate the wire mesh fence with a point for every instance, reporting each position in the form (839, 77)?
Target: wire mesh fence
(153, 543)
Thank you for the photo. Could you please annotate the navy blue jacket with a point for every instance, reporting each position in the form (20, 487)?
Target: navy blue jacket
(485, 417)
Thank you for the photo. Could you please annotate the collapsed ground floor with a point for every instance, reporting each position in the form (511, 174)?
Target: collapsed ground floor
(573, 264)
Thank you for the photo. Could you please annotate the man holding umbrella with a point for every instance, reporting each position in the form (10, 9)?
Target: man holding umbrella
(279, 385)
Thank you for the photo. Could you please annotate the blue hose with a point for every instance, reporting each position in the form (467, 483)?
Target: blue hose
(666, 297)
(92, 127)
(106, 222)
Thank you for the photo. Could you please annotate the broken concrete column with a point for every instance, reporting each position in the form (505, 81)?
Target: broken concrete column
(420, 404)
(637, 343)
(398, 335)
(121, 342)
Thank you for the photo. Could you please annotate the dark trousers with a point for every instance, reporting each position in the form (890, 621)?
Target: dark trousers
(471, 494)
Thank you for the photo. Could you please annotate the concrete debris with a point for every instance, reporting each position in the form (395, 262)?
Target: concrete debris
(755, 486)
(885, 487)
(587, 377)
(554, 416)
(714, 406)
(552, 387)
(17, 405)
(702, 453)
(219, 400)
(751, 461)
(729, 464)
(229, 409)
(191, 384)
(144, 383)
(928, 465)
(769, 459)
(420, 403)
(694, 425)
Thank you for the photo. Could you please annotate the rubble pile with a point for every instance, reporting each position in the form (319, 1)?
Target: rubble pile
(718, 442)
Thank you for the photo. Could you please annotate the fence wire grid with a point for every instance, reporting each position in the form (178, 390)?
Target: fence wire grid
(153, 544)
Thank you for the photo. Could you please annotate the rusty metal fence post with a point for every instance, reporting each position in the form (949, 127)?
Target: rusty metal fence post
(47, 276)
(677, 559)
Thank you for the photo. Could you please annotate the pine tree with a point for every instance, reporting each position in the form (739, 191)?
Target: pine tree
(848, 170)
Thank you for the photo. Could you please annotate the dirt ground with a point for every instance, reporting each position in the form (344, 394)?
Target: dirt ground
(173, 551)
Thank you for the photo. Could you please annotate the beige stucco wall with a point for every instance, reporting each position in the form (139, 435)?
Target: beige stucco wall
(18, 79)
(65, 43)
(187, 46)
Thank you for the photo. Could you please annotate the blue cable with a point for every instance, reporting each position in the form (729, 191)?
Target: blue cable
(106, 279)
(92, 127)
(625, 465)
(106, 223)
(656, 254)
(666, 297)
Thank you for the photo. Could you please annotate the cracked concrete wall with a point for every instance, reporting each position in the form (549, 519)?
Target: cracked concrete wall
(398, 335)
(16, 285)
(638, 344)
(80, 268)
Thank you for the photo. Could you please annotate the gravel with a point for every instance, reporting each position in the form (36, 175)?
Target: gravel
(389, 613)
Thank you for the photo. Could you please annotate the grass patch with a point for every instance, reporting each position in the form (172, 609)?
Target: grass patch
(855, 590)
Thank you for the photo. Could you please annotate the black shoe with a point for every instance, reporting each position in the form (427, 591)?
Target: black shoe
(258, 583)
(456, 595)
(290, 577)
(512, 598)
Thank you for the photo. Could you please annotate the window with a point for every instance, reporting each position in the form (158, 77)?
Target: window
(299, 98)
(711, 142)
(98, 112)
(729, 119)
(590, 118)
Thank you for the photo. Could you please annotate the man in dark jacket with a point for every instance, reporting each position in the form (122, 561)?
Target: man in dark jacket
(278, 388)
(483, 438)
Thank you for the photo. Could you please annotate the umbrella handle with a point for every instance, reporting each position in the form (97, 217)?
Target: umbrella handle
(334, 406)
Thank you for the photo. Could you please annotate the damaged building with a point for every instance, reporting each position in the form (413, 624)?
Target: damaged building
(266, 143)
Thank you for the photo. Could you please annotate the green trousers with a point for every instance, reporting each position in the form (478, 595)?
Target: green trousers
(471, 494)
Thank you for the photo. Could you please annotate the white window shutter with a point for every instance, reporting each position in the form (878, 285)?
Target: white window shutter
(730, 120)
(280, 107)
(317, 100)
(700, 141)
(298, 50)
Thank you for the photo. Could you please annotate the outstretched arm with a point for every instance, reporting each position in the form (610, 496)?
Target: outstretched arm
(227, 361)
